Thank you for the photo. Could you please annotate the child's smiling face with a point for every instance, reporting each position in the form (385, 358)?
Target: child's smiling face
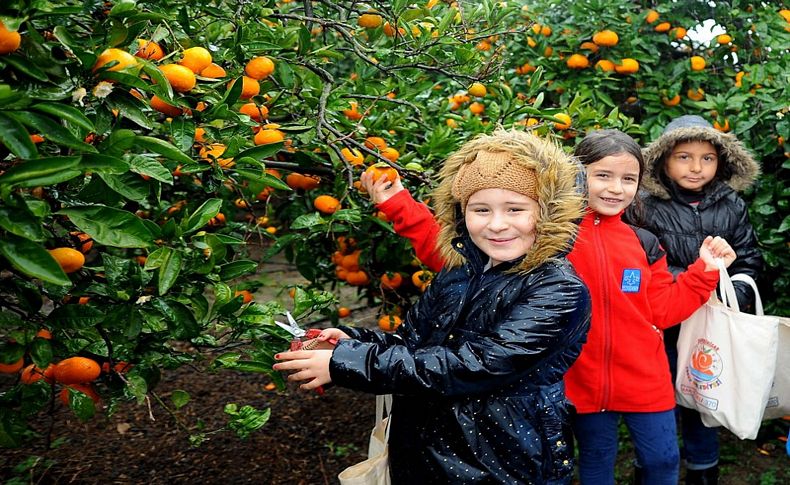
(612, 183)
(692, 164)
(502, 223)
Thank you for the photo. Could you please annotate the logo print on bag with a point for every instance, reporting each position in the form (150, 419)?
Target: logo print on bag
(705, 366)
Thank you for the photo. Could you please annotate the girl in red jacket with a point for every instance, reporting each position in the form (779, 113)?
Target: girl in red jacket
(623, 370)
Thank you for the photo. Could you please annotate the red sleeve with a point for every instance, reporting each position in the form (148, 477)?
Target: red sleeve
(414, 221)
(673, 302)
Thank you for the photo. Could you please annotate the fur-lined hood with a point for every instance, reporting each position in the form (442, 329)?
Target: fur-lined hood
(743, 168)
(561, 205)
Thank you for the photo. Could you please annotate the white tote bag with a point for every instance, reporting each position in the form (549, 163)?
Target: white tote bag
(726, 362)
(779, 398)
(375, 470)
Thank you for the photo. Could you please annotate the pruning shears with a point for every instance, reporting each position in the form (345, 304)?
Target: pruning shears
(311, 336)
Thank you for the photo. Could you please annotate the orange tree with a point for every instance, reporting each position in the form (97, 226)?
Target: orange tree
(161, 138)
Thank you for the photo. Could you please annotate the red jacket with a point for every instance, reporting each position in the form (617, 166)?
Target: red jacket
(623, 366)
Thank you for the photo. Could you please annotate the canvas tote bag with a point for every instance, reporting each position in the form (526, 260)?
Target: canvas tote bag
(726, 362)
(779, 398)
(375, 470)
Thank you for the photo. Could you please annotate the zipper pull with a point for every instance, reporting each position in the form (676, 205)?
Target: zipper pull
(597, 220)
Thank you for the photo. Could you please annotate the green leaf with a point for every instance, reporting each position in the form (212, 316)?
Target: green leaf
(65, 112)
(163, 148)
(157, 258)
(202, 215)
(235, 269)
(32, 259)
(261, 151)
(180, 398)
(25, 66)
(180, 320)
(137, 387)
(129, 185)
(41, 352)
(82, 405)
(77, 317)
(14, 136)
(52, 130)
(111, 227)
(312, 220)
(18, 219)
(151, 168)
(169, 270)
(102, 163)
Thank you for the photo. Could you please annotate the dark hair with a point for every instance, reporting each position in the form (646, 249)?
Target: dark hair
(604, 143)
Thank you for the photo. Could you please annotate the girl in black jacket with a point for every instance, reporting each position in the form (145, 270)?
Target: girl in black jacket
(692, 178)
(476, 368)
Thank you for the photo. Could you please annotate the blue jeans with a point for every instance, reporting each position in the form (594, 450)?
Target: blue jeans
(655, 442)
(700, 443)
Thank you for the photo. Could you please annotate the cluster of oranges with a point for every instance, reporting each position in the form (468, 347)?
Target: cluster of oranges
(73, 374)
(346, 260)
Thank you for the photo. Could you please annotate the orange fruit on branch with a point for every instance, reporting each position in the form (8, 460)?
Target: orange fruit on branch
(697, 63)
(163, 106)
(605, 65)
(148, 49)
(565, 122)
(673, 101)
(259, 68)
(343, 312)
(196, 59)
(86, 389)
(9, 41)
(478, 89)
(369, 20)
(268, 135)
(85, 240)
(213, 71)
(651, 17)
(390, 154)
(352, 156)
(357, 278)
(33, 373)
(381, 169)
(122, 59)
(375, 143)
(69, 259)
(75, 370)
(257, 113)
(577, 61)
(249, 88)
(326, 204)
(606, 38)
(627, 66)
(180, 78)
(391, 282)
(389, 323)
(663, 27)
(13, 367)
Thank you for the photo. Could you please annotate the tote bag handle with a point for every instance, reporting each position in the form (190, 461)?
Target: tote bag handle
(726, 288)
(758, 302)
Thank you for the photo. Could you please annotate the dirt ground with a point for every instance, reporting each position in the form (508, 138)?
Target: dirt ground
(308, 440)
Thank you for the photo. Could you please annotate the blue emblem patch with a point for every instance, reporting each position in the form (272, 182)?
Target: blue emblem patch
(631, 280)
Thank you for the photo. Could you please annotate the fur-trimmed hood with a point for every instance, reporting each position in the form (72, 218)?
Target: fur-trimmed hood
(561, 205)
(743, 168)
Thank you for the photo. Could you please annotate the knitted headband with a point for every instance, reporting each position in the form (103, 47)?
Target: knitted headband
(493, 170)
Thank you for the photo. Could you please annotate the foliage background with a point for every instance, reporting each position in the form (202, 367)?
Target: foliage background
(165, 268)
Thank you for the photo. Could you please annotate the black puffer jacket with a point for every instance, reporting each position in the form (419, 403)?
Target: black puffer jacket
(476, 370)
(681, 227)
(476, 367)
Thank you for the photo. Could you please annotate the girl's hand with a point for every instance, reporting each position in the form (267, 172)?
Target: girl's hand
(332, 334)
(380, 190)
(310, 365)
(716, 247)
